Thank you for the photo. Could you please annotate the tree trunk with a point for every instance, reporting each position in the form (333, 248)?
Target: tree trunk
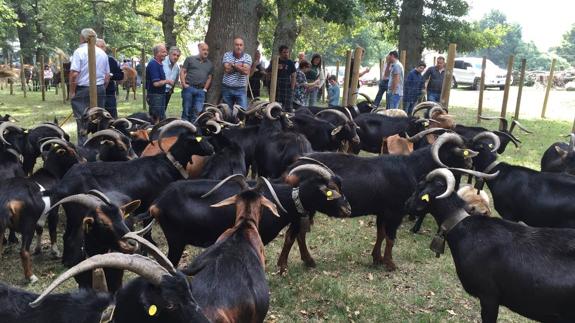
(230, 18)
(411, 32)
(167, 19)
(25, 32)
(287, 29)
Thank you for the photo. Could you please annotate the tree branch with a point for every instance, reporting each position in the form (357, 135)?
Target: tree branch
(143, 13)
(192, 11)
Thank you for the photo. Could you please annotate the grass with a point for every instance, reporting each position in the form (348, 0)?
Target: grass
(345, 286)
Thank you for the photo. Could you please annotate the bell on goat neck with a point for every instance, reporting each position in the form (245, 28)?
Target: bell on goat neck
(437, 245)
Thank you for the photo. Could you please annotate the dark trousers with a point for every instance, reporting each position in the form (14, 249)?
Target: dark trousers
(168, 97)
(382, 89)
(156, 106)
(80, 103)
(110, 104)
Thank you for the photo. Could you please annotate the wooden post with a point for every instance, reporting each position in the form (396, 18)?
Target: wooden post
(446, 87)
(520, 90)
(92, 71)
(10, 81)
(506, 90)
(573, 128)
(346, 77)
(23, 74)
(481, 89)
(549, 84)
(403, 58)
(143, 75)
(355, 75)
(63, 79)
(43, 89)
(57, 62)
(114, 51)
(274, 80)
(337, 72)
(381, 65)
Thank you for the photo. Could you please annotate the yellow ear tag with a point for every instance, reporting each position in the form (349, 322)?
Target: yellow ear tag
(199, 139)
(465, 153)
(425, 198)
(152, 310)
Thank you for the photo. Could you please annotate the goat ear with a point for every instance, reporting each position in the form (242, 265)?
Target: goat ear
(130, 207)
(336, 130)
(270, 206)
(87, 224)
(562, 152)
(229, 201)
(329, 193)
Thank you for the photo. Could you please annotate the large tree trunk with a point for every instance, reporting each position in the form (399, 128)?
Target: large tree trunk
(287, 29)
(230, 18)
(410, 31)
(168, 16)
(25, 32)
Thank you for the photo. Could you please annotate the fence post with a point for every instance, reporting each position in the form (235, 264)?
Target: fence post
(506, 90)
(42, 87)
(143, 66)
(92, 71)
(63, 79)
(274, 80)
(346, 78)
(355, 75)
(10, 80)
(337, 72)
(549, 84)
(520, 90)
(481, 89)
(22, 74)
(323, 88)
(446, 87)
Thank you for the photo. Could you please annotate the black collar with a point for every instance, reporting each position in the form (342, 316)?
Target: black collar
(297, 202)
(438, 242)
(177, 164)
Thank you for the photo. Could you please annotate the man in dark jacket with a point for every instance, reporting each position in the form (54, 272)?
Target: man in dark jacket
(434, 78)
(116, 74)
(412, 88)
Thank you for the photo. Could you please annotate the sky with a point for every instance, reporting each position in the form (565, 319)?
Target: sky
(543, 22)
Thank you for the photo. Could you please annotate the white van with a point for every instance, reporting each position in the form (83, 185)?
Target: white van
(467, 71)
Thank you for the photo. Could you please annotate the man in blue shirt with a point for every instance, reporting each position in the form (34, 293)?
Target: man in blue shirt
(156, 84)
(413, 86)
(237, 66)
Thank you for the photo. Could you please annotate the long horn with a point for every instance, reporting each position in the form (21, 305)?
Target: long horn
(312, 168)
(153, 250)
(516, 123)
(270, 107)
(100, 195)
(426, 105)
(138, 121)
(91, 111)
(138, 264)
(175, 123)
(336, 112)
(215, 125)
(125, 121)
(264, 181)
(435, 109)
(5, 126)
(444, 138)
(215, 111)
(449, 181)
(206, 113)
(50, 141)
(503, 120)
(53, 127)
(146, 229)
(110, 133)
(475, 173)
(424, 133)
(315, 161)
(87, 200)
(365, 96)
(511, 137)
(490, 135)
(239, 178)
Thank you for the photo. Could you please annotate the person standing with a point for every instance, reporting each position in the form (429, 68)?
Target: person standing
(257, 72)
(395, 87)
(196, 77)
(80, 81)
(156, 84)
(383, 83)
(116, 74)
(315, 76)
(301, 85)
(333, 92)
(237, 66)
(434, 78)
(172, 71)
(286, 79)
(413, 86)
(48, 75)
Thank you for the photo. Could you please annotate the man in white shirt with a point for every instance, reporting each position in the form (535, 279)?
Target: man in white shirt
(80, 82)
(172, 70)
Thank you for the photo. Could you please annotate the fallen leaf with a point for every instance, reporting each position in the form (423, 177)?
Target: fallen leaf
(451, 312)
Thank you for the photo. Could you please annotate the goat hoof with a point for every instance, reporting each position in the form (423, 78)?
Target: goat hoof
(32, 279)
(389, 265)
(378, 261)
(282, 269)
(310, 263)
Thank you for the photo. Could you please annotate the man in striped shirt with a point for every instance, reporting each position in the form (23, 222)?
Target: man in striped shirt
(237, 65)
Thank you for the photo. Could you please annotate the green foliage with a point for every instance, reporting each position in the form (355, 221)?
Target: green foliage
(567, 47)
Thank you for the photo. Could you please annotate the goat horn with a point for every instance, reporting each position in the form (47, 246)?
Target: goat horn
(87, 200)
(475, 173)
(264, 181)
(125, 121)
(449, 181)
(215, 111)
(92, 111)
(175, 123)
(5, 126)
(215, 125)
(270, 107)
(225, 109)
(334, 111)
(320, 170)
(146, 229)
(53, 127)
(100, 195)
(503, 120)
(435, 109)
(110, 133)
(490, 135)
(143, 266)
(441, 140)
(367, 98)
(206, 113)
(424, 133)
(315, 161)
(153, 250)
(239, 178)
(426, 105)
(516, 123)
(54, 140)
(158, 126)
(138, 121)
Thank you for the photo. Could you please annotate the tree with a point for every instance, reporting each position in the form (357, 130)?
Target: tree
(230, 18)
(567, 47)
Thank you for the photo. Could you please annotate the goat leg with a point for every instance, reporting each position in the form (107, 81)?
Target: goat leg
(390, 235)
(376, 252)
(26, 258)
(288, 243)
(52, 228)
(489, 310)
(304, 251)
(38, 247)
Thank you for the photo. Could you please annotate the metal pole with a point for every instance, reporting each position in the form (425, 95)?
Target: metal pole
(506, 90)
(22, 74)
(143, 66)
(446, 88)
(520, 90)
(92, 71)
(481, 89)
(355, 75)
(274, 80)
(346, 78)
(549, 84)
(43, 89)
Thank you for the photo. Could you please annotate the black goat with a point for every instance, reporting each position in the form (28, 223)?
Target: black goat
(560, 157)
(108, 145)
(324, 135)
(159, 295)
(229, 158)
(229, 277)
(392, 180)
(504, 133)
(502, 263)
(12, 146)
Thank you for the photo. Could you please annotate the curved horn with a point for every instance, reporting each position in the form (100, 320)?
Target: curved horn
(153, 250)
(206, 113)
(334, 111)
(489, 135)
(503, 120)
(441, 140)
(348, 113)
(53, 127)
(87, 200)
(125, 121)
(449, 181)
(146, 229)
(435, 109)
(100, 195)
(270, 107)
(175, 123)
(215, 111)
(111, 133)
(516, 123)
(475, 173)
(425, 105)
(315, 161)
(138, 264)
(5, 126)
(215, 125)
(92, 111)
(50, 141)
(137, 120)
(367, 98)
(424, 133)
(312, 168)
(239, 178)
(264, 181)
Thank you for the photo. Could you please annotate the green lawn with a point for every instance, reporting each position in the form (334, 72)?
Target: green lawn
(345, 286)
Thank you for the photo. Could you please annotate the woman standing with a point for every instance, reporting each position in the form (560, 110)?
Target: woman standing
(316, 77)
(302, 87)
(48, 75)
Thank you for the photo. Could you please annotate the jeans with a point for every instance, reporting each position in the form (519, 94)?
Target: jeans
(235, 95)
(80, 103)
(313, 97)
(156, 106)
(408, 106)
(382, 89)
(192, 103)
(433, 96)
(394, 101)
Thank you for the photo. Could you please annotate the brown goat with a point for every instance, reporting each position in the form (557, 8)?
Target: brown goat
(194, 169)
(476, 204)
(396, 145)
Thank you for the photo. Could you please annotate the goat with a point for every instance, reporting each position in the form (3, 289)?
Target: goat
(476, 201)
(505, 134)
(523, 268)
(393, 179)
(560, 157)
(229, 276)
(108, 145)
(323, 135)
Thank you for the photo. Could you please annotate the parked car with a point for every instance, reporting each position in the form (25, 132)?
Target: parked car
(467, 71)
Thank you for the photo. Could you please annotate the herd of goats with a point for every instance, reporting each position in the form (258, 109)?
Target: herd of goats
(190, 179)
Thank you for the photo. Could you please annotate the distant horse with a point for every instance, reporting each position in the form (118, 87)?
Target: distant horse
(129, 81)
(57, 79)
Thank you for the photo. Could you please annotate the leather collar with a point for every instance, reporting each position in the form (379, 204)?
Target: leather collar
(298, 205)
(177, 164)
(491, 166)
(452, 221)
